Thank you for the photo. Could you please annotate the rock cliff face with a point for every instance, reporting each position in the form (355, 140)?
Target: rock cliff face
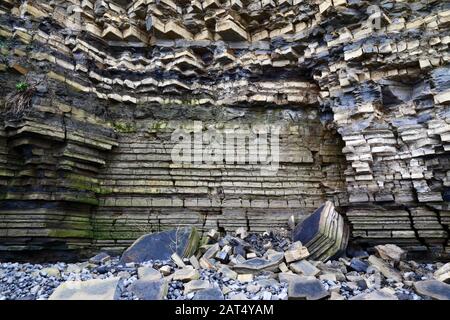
(91, 92)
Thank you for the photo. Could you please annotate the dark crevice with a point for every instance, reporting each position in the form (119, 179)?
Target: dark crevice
(416, 232)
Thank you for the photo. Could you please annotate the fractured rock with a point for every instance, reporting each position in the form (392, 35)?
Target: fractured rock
(161, 245)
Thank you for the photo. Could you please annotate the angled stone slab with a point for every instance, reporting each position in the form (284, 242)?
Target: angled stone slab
(149, 289)
(433, 288)
(209, 294)
(306, 289)
(161, 245)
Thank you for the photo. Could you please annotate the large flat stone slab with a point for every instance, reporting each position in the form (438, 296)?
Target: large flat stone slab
(161, 245)
(433, 288)
(306, 289)
(95, 289)
(149, 289)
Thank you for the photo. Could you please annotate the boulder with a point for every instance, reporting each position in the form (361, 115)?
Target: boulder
(324, 233)
(209, 294)
(306, 289)
(304, 267)
(161, 245)
(390, 252)
(433, 288)
(149, 289)
(95, 289)
(186, 274)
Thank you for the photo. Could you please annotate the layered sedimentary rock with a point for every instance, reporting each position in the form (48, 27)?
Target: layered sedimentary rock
(360, 94)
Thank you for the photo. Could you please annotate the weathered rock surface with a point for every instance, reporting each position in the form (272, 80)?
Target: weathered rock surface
(324, 233)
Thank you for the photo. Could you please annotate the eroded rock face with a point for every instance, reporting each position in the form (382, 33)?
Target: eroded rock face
(363, 116)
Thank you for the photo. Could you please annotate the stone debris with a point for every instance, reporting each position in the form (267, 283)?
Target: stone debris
(324, 233)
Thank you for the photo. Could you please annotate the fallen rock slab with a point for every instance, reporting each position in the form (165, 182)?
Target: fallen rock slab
(375, 295)
(95, 289)
(149, 289)
(433, 288)
(324, 233)
(391, 252)
(443, 273)
(186, 274)
(162, 245)
(209, 294)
